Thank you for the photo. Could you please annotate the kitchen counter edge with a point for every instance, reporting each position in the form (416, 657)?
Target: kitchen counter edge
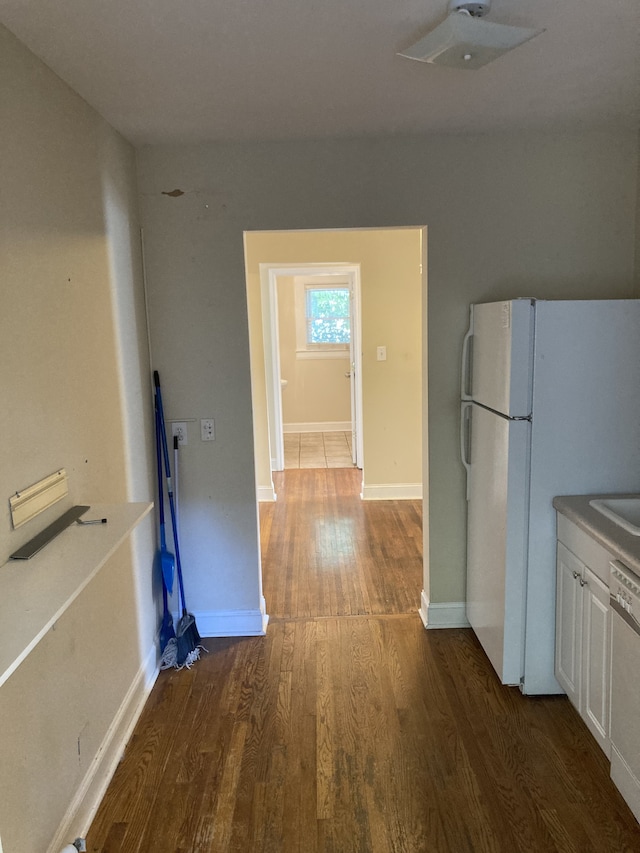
(621, 544)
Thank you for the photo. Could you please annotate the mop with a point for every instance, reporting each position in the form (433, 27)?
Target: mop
(187, 637)
(168, 649)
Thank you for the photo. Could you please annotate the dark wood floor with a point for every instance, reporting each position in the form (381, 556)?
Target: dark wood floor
(349, 728)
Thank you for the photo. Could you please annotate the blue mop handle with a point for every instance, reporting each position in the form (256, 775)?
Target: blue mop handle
(165, 449)
(163, 542)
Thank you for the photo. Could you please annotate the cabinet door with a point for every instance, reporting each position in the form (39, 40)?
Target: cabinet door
(569, 623)
(596, 638)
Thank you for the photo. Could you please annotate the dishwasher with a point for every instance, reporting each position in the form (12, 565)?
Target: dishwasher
(624, 593)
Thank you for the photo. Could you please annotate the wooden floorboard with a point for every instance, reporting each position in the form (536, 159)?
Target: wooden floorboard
(326, 552)
(349, 728)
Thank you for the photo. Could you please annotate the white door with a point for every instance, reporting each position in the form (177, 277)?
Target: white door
(354, 421)
(502, 356)
(354, 380)
(496, 538)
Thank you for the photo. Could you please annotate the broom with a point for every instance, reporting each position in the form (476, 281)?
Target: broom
(187, 637)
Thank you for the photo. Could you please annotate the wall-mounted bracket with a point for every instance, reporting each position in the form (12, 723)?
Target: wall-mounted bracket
(33, 500)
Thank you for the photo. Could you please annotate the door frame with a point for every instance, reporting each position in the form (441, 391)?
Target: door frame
(269, 274)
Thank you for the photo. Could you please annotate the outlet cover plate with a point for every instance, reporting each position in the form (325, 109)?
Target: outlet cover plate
(207, 429)
(179, 428)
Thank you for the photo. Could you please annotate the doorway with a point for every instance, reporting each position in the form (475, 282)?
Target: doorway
(299, 282)
(392, 272)
(389, 262)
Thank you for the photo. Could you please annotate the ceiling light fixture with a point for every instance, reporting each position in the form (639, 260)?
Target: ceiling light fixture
(464, 40)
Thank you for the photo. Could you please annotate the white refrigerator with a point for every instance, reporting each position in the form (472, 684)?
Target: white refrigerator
(550, 406)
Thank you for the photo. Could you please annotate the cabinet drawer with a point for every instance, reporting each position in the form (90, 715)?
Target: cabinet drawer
(586, 549)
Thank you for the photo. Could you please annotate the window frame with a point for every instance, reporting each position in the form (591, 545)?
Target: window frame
(304, 349)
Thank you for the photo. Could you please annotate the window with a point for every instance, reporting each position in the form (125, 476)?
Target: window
(323, 320)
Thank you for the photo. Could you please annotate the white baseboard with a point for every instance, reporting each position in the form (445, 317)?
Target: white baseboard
(449, 614)
(392, 492)
(84, 805)
(424, 608)
(266, 493)
(320, 426)
(231, 623)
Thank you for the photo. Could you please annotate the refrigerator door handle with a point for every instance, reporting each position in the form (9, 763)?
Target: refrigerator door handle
(465, 444)
(465, 378)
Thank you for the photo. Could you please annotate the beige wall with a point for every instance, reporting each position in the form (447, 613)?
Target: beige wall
(75, 393)
(317, 391)
(391, 282)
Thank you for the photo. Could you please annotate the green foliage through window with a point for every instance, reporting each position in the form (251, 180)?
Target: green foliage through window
(328, 315)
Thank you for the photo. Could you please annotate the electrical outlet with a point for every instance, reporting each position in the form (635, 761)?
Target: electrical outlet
(207, 429)
(381, 353)
(179, 428)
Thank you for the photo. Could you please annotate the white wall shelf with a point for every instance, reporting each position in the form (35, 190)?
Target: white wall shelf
(35, 593)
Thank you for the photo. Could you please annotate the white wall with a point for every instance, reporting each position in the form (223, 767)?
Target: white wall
(76, 394)
(550, 215)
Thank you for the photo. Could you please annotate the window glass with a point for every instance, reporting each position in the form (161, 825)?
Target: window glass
(327, 315)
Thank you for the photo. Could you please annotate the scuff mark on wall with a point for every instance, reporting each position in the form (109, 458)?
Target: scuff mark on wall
(174, 193)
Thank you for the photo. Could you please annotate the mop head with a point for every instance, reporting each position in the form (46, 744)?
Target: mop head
(184, 648)
(187, 640)
(169, 657)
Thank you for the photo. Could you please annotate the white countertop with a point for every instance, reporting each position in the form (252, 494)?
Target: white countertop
(35, 593)
(624, 546)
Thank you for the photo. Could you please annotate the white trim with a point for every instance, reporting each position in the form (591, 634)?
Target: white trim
(323, 353)
(423, 610)
(449, 614)
(231, 623)
(392, 492)
(273, 372)
(266, 493)
(89, 795)
(320, 426)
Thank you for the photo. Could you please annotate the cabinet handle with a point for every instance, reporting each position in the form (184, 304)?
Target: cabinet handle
(576, 575)
(583, 582)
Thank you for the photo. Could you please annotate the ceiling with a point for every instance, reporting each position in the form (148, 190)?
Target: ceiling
(192, 70)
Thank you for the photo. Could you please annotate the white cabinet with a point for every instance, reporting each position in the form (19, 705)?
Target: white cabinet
(583, 628)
